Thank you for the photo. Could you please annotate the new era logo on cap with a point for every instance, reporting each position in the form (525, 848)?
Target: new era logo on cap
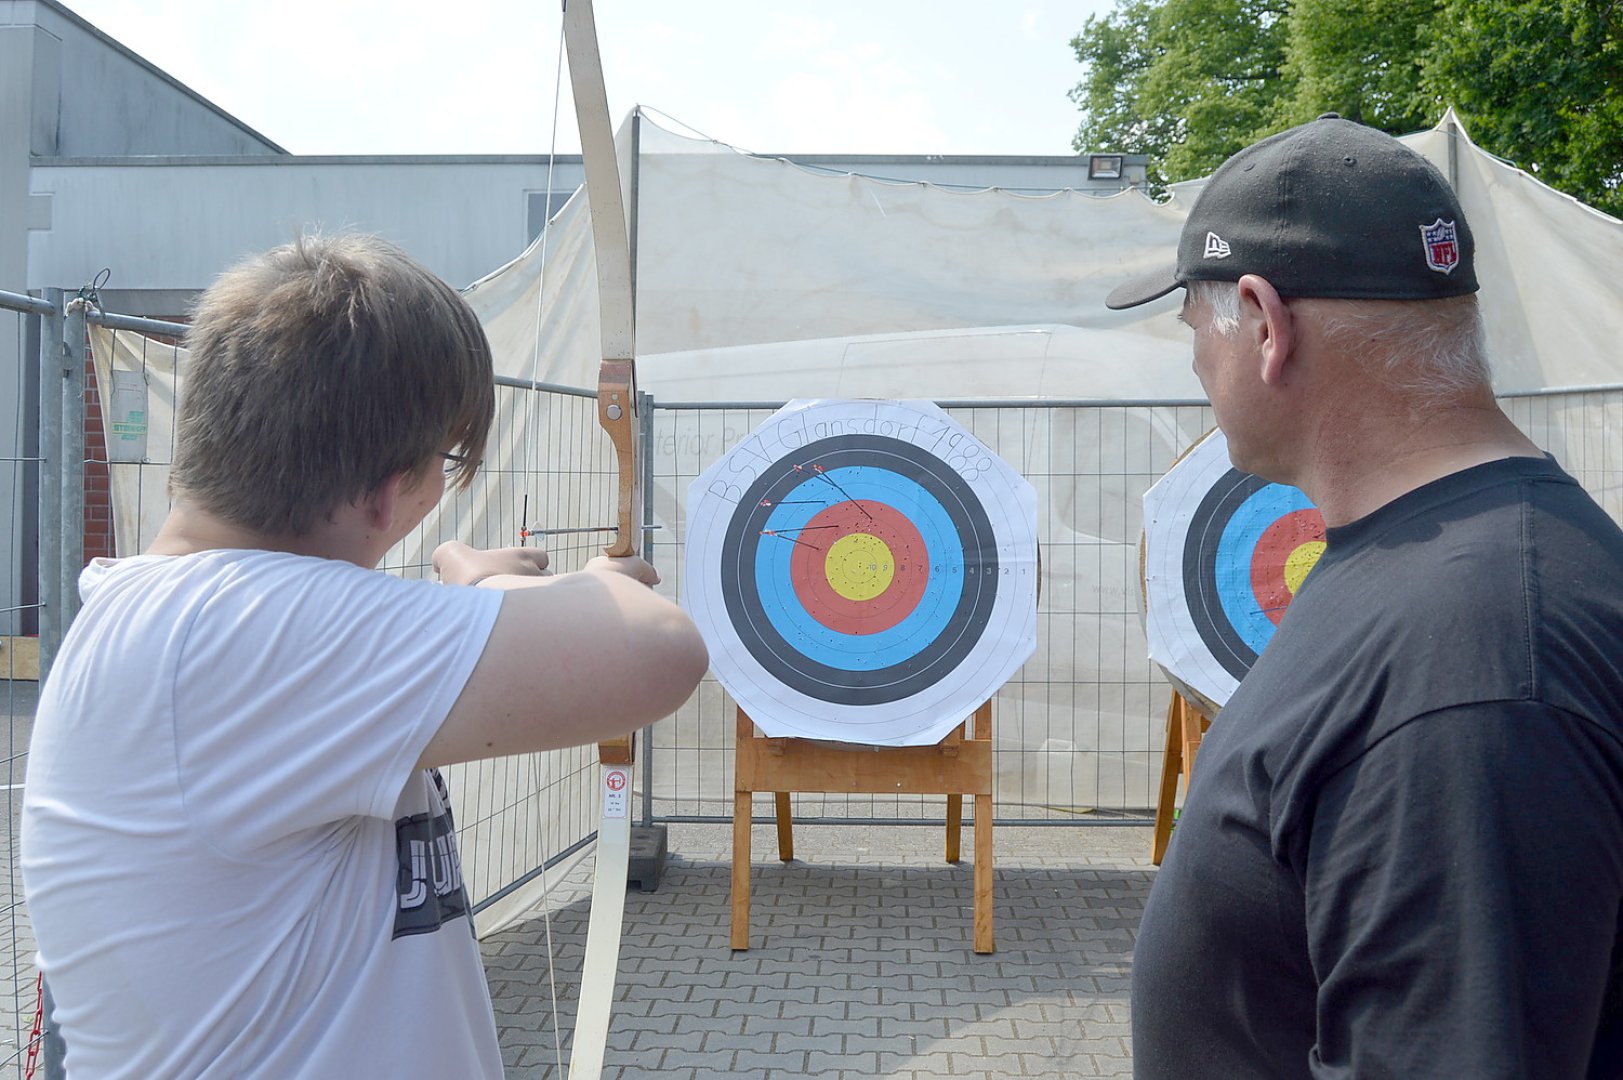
(1216, 246)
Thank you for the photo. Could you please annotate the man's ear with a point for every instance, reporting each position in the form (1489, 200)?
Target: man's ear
(1267, 319)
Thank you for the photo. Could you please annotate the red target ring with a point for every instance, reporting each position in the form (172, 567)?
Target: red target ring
(909, 568)
(1280, 549)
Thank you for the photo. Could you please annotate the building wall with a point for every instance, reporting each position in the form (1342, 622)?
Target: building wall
(462, 217)
(92, 96)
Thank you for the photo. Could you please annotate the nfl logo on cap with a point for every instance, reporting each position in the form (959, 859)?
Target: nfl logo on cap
(1442, 243)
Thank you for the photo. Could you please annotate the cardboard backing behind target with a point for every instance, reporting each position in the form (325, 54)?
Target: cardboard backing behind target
(1224, 552)
(862, 571)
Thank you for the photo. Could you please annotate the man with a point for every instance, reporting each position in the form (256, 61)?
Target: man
(1403, 853)
(238, 855)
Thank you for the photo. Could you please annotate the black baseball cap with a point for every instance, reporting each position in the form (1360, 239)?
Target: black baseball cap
(1328, 209)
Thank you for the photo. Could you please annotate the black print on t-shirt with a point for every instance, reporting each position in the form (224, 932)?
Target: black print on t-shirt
(429, 880)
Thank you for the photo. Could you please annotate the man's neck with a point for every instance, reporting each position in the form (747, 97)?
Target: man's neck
(1363, 464)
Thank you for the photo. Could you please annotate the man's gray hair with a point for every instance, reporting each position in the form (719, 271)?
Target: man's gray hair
(1223, 299)
(1433, 349)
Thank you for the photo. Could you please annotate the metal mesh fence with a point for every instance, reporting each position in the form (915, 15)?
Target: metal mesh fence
(1584, 431)
(20, 626)
(549, 479)
(1078, 731)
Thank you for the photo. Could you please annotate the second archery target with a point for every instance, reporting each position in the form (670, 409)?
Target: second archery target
(1224, 553)
(863, 571)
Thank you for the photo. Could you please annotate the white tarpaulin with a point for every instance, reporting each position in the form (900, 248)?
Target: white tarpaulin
(737, 255)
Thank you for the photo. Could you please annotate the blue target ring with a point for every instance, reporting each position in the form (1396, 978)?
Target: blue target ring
(928, 621)
(1235, 591)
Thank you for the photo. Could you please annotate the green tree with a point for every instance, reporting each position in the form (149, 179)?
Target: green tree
(1362, 60)
(1188, 82)
(1540, 83)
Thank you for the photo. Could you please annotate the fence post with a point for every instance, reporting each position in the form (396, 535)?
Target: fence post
(50, 482)
(70, 557)
(73, 458)
(645, 462)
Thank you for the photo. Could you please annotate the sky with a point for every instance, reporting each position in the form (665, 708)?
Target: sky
(479, 76)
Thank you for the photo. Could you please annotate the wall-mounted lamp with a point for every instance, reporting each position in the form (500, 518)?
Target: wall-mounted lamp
(1104, 166)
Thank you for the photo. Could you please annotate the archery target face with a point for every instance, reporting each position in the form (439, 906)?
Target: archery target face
(1224, 553)
(862, 571)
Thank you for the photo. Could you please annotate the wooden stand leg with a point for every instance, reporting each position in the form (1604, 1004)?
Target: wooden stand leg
(983, 874)
(983, 844)
(742, 809)
(1171, 767)
(786, 827)
(955, 799)
(741, 870)
(1194, 729)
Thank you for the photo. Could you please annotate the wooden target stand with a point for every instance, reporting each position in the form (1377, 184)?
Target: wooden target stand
(1185, 727)
(959, 765)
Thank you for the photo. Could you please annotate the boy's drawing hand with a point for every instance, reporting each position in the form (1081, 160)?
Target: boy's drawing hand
(458, 564)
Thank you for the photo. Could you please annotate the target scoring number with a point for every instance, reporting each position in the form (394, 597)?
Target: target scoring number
(858, 566)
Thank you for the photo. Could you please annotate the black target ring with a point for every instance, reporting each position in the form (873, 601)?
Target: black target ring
(978, 559)
(1200, 562)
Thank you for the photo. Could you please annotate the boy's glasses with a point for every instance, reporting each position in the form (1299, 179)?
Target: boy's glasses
(453, 462)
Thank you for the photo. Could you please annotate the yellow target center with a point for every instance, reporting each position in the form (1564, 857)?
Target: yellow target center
(1300, 561)
(859, 566)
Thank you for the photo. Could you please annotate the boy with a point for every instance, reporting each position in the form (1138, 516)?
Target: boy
(237, 854)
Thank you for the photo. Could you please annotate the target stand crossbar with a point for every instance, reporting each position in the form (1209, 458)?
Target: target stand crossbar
(959, 765)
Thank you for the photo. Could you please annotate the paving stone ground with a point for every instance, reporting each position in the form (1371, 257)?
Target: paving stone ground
(860, 964)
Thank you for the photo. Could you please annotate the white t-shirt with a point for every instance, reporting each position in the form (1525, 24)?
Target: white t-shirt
(232, 866)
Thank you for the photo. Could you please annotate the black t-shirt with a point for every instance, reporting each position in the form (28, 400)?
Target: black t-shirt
(1402, 852)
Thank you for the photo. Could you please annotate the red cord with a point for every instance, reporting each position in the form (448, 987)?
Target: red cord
(34, 1039)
